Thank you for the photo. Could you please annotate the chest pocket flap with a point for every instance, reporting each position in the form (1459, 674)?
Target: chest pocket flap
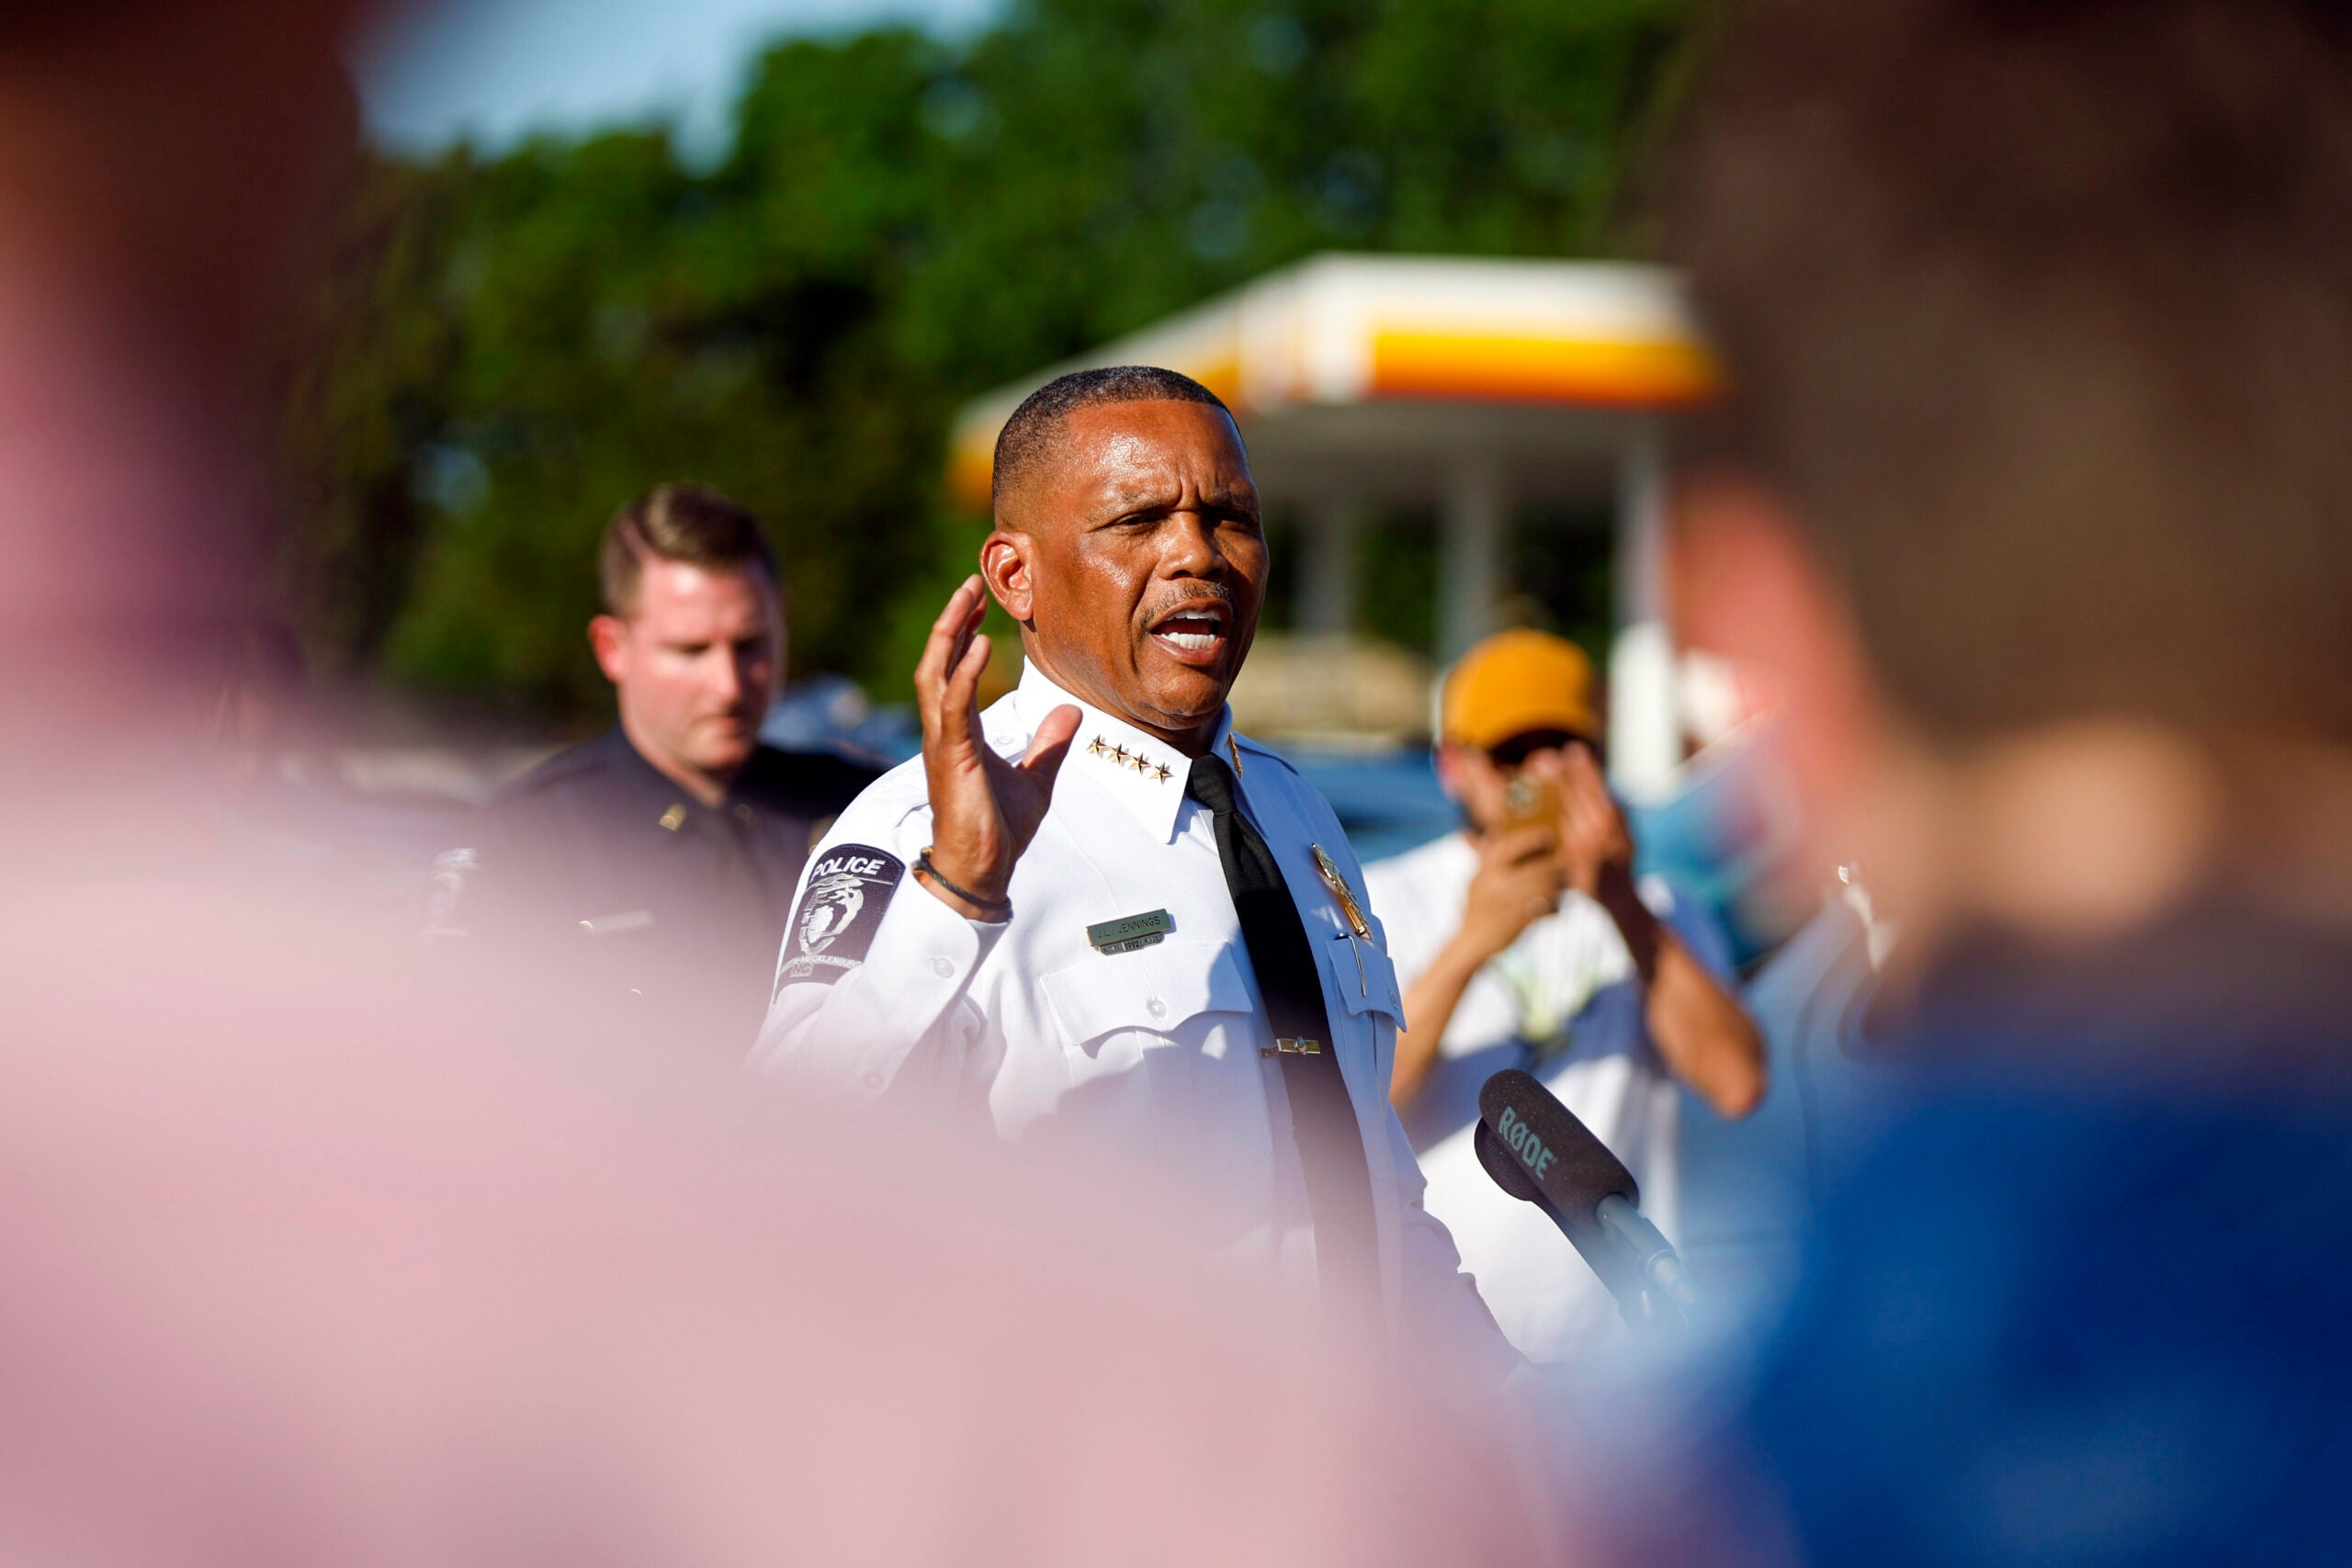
(1373, 991)
(1155, 988)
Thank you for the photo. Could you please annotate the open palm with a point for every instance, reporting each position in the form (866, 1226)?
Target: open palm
(984, 808)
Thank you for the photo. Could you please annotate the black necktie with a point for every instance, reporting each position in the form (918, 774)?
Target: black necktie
(1330, 1144)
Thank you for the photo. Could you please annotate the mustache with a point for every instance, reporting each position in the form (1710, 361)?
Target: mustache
(1192, 592)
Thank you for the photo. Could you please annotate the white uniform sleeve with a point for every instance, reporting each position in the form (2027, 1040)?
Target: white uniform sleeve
(879, 997)
(1445, 1313)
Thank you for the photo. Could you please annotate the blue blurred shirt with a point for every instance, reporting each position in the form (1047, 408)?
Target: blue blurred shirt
(2087, 1299)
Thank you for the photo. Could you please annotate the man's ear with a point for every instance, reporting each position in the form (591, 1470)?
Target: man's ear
(610, 636)
(1745, 582)
(1006, 566)
(1449, 771)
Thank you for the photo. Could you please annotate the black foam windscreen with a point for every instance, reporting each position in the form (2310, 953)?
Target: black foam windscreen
(1572, 1170)
(1503, 1166)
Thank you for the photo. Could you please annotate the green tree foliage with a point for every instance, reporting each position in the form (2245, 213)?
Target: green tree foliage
(519, 342)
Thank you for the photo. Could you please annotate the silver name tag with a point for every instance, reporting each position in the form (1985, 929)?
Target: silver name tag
(1130, 932)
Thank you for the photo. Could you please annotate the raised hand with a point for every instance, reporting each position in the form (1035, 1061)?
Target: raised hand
(984, 809)
(1518, 883)
(1596, 847)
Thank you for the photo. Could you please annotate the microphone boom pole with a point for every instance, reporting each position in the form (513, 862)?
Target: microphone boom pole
(1537, 1151)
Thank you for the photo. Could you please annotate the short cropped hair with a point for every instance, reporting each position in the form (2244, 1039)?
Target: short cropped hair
(2038, 310)
(1028, 436)
(687, 523)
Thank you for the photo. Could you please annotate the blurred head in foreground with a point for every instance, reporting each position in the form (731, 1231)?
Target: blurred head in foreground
(2034, 495)
(301, 1266)
(2034, 486)
(166, 171)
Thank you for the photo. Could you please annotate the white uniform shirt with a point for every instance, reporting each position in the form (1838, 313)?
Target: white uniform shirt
(1564, 1002)
(1153, 1052)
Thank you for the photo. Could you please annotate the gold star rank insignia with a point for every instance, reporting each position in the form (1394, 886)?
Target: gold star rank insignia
(1096, 748)
(1163, 773)
(1119, 755)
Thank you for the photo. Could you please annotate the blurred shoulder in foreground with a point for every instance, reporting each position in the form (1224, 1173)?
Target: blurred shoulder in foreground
(2064, 635)
(300, 1265)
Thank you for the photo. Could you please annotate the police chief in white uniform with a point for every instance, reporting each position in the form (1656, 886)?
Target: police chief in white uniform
(1102, 914)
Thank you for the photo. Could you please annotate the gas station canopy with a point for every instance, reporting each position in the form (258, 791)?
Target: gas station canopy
(1471, 386)
(1376, 374)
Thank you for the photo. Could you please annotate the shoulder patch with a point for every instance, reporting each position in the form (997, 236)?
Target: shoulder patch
(849, 887)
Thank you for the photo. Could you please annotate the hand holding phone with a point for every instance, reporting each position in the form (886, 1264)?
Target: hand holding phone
(1531, 800)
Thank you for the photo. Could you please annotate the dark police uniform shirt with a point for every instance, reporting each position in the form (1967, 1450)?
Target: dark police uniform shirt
(652, 912)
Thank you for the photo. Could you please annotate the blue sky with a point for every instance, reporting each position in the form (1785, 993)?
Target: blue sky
(498, 69)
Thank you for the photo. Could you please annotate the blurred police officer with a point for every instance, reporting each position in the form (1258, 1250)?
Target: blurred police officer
(659, 858)
(1102, 914)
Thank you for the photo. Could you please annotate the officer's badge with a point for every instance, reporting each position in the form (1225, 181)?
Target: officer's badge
(848, 889)
(1341, 892)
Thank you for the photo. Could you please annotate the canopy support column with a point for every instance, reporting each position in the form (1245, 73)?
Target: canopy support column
(1327, 580)
(1470, 555)
(1644, 727)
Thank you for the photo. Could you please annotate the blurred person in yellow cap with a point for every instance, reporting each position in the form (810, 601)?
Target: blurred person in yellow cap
(1522, 941)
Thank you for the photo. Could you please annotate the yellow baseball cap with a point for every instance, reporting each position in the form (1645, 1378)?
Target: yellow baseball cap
(1513, 683)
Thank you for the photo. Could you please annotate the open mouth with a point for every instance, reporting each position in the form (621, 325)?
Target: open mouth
(1195, 632)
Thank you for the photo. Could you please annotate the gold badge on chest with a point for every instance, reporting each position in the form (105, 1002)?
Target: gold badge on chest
(1359, 928)
(1342, 892)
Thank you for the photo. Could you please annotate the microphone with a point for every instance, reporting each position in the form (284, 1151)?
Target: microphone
(1538, 1152)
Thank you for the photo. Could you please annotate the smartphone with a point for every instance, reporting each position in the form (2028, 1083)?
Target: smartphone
(1530, 802)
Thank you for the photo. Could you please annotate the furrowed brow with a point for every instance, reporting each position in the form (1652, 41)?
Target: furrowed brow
(1126, 501)
(1231, 498)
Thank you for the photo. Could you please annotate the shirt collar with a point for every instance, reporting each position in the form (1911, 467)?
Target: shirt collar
(643, 776)
(1142, 771)
(655, 785)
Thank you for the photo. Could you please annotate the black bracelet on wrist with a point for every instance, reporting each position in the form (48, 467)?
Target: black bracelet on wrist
(1001, 908)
